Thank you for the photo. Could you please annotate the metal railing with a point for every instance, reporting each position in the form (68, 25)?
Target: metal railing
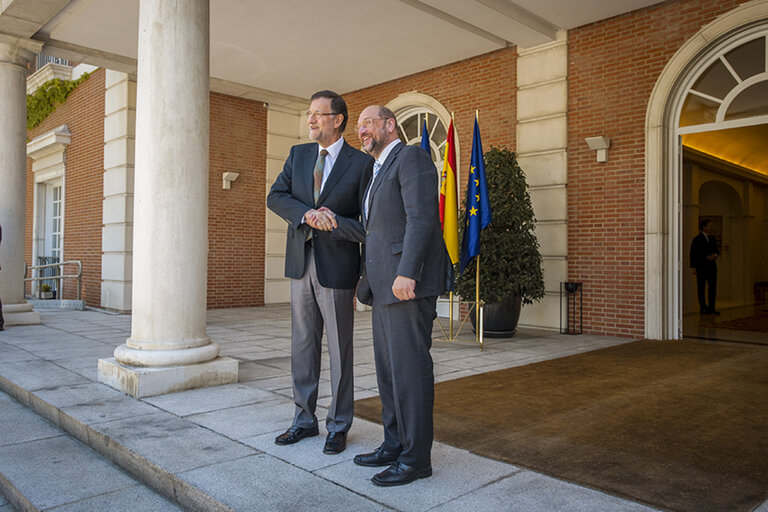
(42, 59)
(59, 277)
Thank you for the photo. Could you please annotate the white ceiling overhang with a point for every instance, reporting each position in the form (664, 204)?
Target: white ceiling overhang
(284, 51)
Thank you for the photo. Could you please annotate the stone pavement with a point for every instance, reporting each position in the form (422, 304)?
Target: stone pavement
(213, 449)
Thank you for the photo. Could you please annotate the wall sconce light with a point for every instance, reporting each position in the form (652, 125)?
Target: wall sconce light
(601, 145)
(227, 179)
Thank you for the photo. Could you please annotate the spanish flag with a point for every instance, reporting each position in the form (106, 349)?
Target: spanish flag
(449, 205)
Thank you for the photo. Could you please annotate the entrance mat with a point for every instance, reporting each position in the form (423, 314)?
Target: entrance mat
(679, 425)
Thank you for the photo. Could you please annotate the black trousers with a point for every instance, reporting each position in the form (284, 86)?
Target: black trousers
(402, 337)
(706, 284)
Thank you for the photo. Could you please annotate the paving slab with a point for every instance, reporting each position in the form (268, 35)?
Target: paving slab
(455, 473)
(195, 401)
(69, 470)
(19, 425)
(133, 499)
(174, 444)
(527, 491)
(248, 420)
(308, 453)
(37, 374)
(261, 482)
(93, 403)
(10, 353)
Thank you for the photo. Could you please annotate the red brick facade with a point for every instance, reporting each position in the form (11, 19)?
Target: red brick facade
(83, 113)
(614, 65)
(236, 217)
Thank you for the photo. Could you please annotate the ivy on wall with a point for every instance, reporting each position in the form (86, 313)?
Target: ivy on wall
(42, 102)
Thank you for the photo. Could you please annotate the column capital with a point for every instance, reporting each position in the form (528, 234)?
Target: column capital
(18, 50)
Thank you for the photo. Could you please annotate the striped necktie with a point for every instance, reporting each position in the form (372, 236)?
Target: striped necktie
(318, 173)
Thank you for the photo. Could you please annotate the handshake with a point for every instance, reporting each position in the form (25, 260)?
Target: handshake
(322, 219)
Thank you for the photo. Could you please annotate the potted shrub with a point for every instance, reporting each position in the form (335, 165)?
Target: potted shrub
(510, 263)
(46, 292)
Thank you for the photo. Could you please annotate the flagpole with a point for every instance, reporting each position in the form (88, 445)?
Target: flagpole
(479, 330)
(450, 293)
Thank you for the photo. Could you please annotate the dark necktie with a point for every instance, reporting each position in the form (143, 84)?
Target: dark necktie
(376, 169)
(318, 172)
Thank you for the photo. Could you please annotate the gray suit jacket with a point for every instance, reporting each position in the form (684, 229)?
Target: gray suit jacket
(402, 233)
(291, 196)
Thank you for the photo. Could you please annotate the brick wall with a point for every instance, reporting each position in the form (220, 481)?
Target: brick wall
(83, 113)
(486, 83)
(614, 65)
(237, 217)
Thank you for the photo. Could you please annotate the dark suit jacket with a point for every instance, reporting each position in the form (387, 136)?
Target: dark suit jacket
(700, 249)
(291, 196)
(402, 232)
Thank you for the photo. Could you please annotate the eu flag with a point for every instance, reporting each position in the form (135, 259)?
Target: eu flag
(425, 139)
(477, 213)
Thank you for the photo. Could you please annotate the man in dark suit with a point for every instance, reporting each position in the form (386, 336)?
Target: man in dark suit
(326, 173)
(704, 255)
(406, 267)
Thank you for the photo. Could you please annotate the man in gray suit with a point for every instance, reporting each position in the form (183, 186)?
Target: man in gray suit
(406, 266)
(326, 173)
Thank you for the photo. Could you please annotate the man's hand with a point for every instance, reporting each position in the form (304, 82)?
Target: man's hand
(404, 288)
(331, 216)
(694, 271)
(322, 220)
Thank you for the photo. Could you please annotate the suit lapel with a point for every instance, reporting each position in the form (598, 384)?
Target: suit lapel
(374, 186)
(308, 172)
(340, 167)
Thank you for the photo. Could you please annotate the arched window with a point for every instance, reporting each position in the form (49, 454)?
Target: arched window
(412, 109)
(734, 86)
(725, 111)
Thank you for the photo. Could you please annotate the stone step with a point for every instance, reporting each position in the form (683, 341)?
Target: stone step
(43, 468)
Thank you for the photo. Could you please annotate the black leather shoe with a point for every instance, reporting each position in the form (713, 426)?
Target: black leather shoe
(295, 434)
(400, 474)
(711, 311)
(335, 443)
(377, 458)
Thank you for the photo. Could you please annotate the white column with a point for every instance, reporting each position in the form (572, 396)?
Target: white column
(14, 54)
(169, 348)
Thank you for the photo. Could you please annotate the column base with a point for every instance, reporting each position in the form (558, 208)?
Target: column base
(20, 314)
(141, 382)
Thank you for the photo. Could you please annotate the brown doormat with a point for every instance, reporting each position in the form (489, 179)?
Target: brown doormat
(679, 425)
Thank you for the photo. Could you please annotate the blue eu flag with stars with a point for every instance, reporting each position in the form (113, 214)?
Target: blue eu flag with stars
(425, 139)
(477, 214)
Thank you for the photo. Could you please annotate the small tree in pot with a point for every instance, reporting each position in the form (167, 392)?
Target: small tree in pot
(510, 263)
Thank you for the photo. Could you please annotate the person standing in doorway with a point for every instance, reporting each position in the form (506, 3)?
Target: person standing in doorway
(704, 255)
(324, 272)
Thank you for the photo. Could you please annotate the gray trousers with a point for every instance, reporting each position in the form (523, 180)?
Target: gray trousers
(402, 337)
(312, 307)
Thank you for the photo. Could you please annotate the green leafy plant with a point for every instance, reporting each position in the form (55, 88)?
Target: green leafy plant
(510, 262)
(54, 92)
(45, 288)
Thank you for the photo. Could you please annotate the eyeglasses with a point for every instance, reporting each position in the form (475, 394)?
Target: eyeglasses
(310, 113)
(368, 122)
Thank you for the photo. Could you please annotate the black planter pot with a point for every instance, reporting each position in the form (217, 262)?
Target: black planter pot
(500, 318)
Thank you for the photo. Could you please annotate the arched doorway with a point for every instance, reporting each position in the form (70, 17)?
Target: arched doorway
(712, 90)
